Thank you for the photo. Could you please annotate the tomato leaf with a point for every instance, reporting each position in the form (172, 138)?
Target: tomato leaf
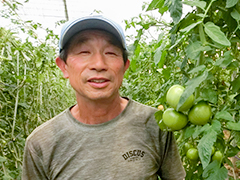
(191, 85)
(133, 65)
(2, 159)
(216, 34)
(200, 129)
(197, 69)
(231, 3)
(232, 151)
(175, 9)
(209, 95)
(216, 125)
(158, 54)
(158, 115)
(236, 135)
(200, 4)
(225, 61)
(224, 115)
(236, 84)
(189, 131)
(214, 171)
(205, 146)
(233, 126)
(190, 27)
(194, 49)
(157, 4)
(235, 14)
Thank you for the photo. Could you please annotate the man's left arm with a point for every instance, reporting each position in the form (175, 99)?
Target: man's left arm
(171, 167)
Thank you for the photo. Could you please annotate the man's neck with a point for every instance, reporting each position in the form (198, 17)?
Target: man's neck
(96, 112)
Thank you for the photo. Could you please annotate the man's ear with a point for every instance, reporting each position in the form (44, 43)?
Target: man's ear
(127, 64)
(62, 65)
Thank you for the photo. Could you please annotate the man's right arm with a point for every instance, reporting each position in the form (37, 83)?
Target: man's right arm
(32, 165)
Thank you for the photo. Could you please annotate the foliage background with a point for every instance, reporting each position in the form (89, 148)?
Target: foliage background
(32, 89)
(199, 51)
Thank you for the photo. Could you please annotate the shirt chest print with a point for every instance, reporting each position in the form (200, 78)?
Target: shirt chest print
(133, 155)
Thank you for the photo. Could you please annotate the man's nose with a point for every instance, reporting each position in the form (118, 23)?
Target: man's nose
(98, 62)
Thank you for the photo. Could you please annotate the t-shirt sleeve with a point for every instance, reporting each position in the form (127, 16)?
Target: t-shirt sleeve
(171, 167)
(32, 164)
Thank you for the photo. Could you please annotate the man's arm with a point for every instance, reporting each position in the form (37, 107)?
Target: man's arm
(32, 165)
(171, 165)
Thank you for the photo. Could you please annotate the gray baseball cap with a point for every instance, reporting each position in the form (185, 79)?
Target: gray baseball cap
(71, 28)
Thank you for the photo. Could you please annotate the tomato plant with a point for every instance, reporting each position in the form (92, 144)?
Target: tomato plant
(199, 51)
(174, 120)
(200, 113)
(173, 96)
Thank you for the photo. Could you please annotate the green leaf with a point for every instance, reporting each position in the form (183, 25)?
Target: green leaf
(190, 27)
(236, 135)
(200, 129)
(189, 132)
(231, 3)
(217, 126)
(2, 159)
(200, 4)
(192, 84)
(197, 69)
(209, 95)
(236, 15)
(158, 115)
(233, 126)
(232, 151)
(133, 65)
(194, 49)
(236, 84)
(175, 9)
(157, 4)
(158, 53)
(224, 115)
(216, 34)
(205, 147)
(213, 171)
(225, 61)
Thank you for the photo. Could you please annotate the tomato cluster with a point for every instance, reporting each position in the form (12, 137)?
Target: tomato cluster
(176, 119)
(192, 153)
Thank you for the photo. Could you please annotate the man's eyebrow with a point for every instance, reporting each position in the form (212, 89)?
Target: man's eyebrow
(81, 39)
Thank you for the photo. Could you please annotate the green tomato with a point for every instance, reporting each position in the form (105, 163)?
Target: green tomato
(174, 119)
(187, 146)
(213, 150)
(200, 113)
(173, 96)
(192, 154)
(217, 156)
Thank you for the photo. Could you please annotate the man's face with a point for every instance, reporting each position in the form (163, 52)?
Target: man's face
(94, 66)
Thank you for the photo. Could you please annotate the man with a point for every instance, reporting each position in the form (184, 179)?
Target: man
(104, 136)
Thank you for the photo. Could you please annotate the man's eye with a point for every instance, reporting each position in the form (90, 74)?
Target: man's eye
(111, 53)
(84, 52)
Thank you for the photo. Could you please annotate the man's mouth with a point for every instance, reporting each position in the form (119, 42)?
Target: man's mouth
(98, 80)
(98, 83)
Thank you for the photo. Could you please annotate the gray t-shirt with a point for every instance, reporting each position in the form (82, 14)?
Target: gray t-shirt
(129, 147)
